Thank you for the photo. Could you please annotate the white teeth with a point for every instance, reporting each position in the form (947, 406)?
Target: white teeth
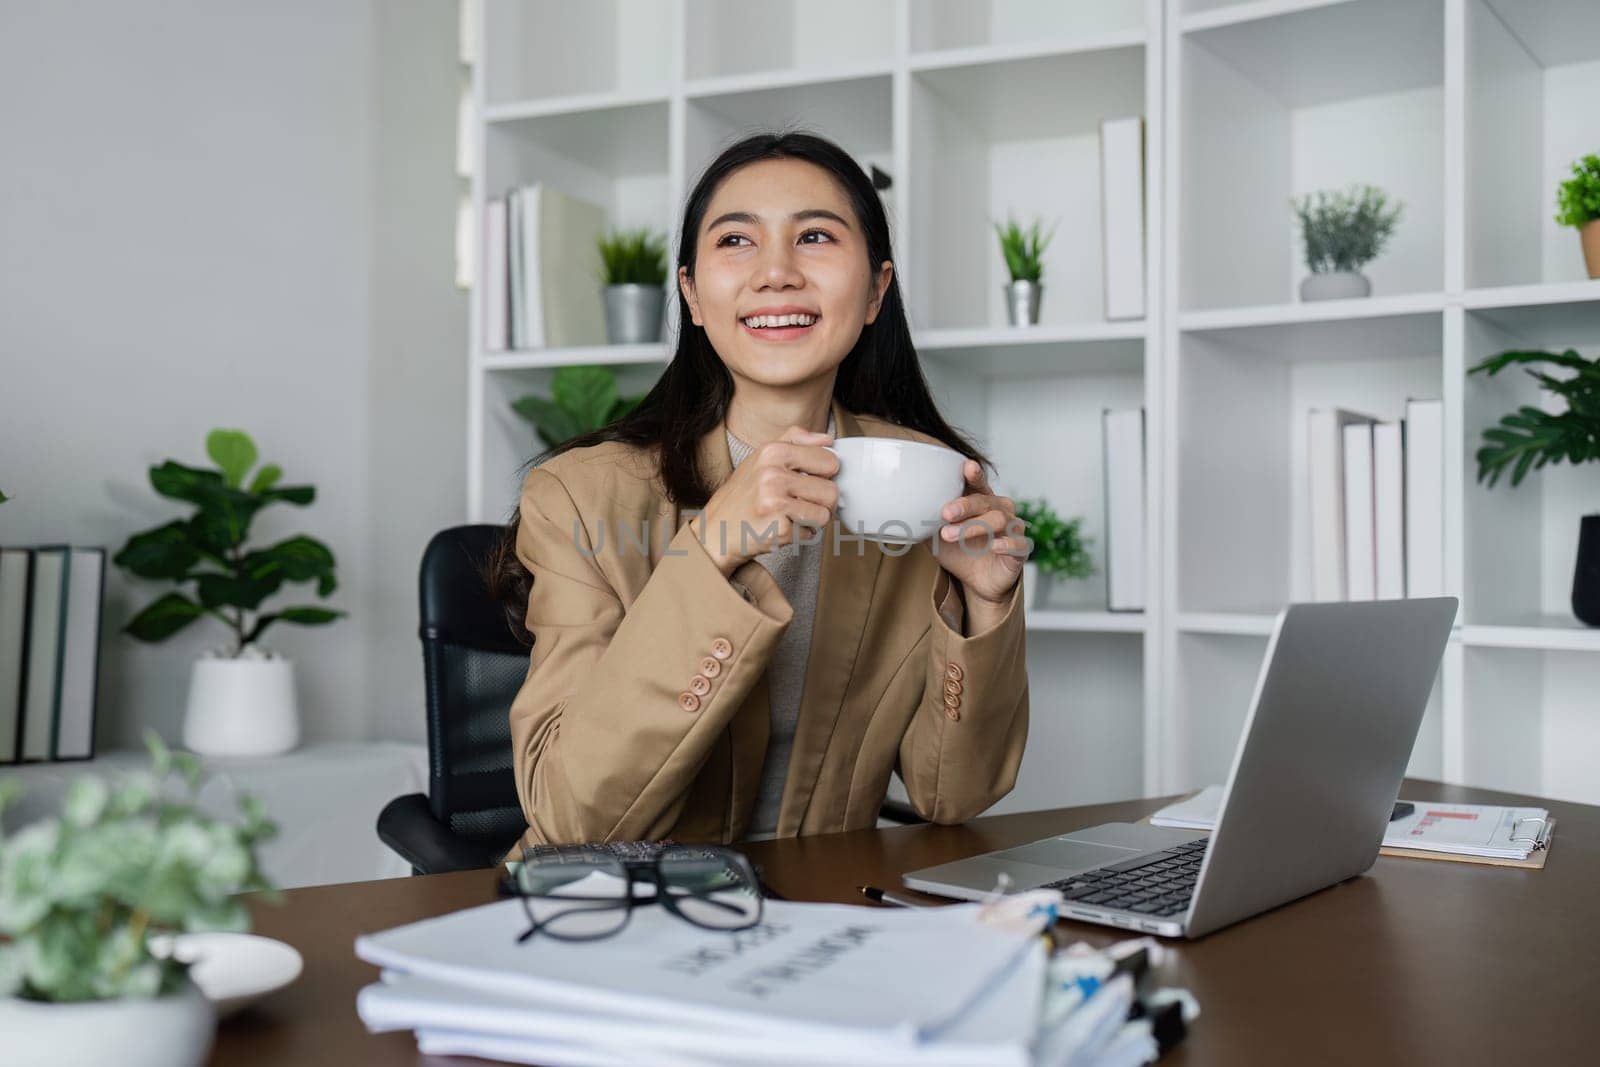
(759, 321)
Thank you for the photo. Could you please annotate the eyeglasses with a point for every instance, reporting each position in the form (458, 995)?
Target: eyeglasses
(712, 887)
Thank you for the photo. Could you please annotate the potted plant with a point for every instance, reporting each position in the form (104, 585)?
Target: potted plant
(1059, 551)
(581, 399)
(1344, 230)
(241, 695)
(633, 270)
(1024, 256)
(1578, 205)
(83, 896)
(1530, 437)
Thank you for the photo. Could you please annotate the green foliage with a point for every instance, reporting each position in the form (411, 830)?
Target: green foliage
(581, 399)
(633, 257)
(1023, 250)
(1345, 229)
(1578, 198)
(81, 893)
(1530, 437)
(3, 498)
(208, 548)
(1059, 546)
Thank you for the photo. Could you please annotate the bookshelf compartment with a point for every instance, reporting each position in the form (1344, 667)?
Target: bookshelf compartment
(937, 25)
(1313, 98)
(1012, 352)
(1532, 78)
(1520, 543)
(734, 37)
(1243, 396)
(1019, 138)
(541, 49)
(1529, 722)
(1085, 724)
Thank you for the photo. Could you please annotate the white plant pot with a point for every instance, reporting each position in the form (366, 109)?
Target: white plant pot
(1335, 285)
(168, 1031)
(241, 707)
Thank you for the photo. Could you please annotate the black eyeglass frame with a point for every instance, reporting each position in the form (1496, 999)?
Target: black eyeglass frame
(639, 870)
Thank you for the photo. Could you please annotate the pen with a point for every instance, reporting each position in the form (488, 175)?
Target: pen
(873, 893)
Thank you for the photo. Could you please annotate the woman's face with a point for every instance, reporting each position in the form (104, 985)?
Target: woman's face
(779, 237)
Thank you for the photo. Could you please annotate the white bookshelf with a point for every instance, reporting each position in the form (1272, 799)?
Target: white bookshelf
(1468, 110)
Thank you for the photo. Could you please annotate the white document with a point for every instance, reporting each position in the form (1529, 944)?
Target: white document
(1198, 812)
(1124, 459)
(1424, 498)
(1122, 215)
(808, 971)
(1360, 546)
(80, 654)
(42, 699)
(494, 276)
(1325, 459)
(1388, 508)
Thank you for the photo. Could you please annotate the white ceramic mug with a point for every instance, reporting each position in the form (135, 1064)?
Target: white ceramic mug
(892, 490)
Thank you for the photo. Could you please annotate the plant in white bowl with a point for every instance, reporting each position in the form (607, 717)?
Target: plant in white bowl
(1344, 230)
(241, 695)
(83, 897)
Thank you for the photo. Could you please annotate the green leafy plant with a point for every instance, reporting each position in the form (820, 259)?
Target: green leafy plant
(633, 257)
(1530, 437)
(581, 399)
(1023, 250)
(1059, 547)
(80, 894)
(1345, 229)
(208, 549)
(1578, 199)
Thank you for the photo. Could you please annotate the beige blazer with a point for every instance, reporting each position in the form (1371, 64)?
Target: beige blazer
(644, 714)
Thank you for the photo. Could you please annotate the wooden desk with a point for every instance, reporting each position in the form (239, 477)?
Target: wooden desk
(1416, 962)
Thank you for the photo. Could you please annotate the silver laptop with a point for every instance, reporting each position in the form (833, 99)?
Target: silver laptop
(1319, 764)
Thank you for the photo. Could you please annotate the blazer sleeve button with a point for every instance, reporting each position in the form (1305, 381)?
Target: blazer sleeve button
(710, 666)
(953, 671)
(952, 686)
(721, 648)
(952, 701)
(688, 701)
(953, 714)
(699, 685)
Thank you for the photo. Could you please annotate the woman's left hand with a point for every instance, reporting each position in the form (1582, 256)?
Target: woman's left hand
(982, 544)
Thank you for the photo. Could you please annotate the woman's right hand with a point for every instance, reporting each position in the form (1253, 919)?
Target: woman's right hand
(782, 483)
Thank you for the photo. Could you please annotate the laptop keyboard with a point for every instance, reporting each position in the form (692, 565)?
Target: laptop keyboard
(1156, 883)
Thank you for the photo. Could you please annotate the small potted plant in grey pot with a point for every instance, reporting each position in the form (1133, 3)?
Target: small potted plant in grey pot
(1530, 437)
(1024, 256)
(241, 695)
(85, 899)
(1059, 552)
(581, 399)
(634, 273)
(1578, 206)
(1344, 230)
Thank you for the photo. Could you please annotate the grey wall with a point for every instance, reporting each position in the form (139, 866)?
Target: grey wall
(235, 214)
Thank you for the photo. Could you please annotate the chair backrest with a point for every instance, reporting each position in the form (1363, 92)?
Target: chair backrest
(474, 667)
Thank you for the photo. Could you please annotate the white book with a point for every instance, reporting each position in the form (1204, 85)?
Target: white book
(1360, 546)
(47, 610)
(1325, 490)
(1122, 215)
(80, 654)
(1424, 498)
(516, 288)
(15, 565)
(494, 275)
(1123, 433)
(1388, 508)
(559, 285)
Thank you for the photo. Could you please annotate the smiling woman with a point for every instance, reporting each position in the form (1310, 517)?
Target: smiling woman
(726, 676)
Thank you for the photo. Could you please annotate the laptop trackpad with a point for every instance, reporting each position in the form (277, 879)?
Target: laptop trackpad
(1067, 855)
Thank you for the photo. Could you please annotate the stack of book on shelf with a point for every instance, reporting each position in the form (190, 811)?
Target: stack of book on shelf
(50, 597)
(1123, 434)
(1377, 503)
(541, 271)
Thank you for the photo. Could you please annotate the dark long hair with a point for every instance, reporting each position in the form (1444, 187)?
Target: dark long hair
(881, 376)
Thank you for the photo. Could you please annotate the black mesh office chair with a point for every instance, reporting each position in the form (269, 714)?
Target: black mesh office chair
(474, 667)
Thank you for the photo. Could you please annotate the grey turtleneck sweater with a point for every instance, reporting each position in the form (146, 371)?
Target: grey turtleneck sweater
(796, 568)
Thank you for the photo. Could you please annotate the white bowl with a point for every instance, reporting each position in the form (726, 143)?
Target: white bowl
(232, 970)
(892, 490)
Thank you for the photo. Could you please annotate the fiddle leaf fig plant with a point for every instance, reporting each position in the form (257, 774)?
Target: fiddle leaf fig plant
(581, 399)
(208, 549)
(1059, 547)
(82, 893)
(1530, 437)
